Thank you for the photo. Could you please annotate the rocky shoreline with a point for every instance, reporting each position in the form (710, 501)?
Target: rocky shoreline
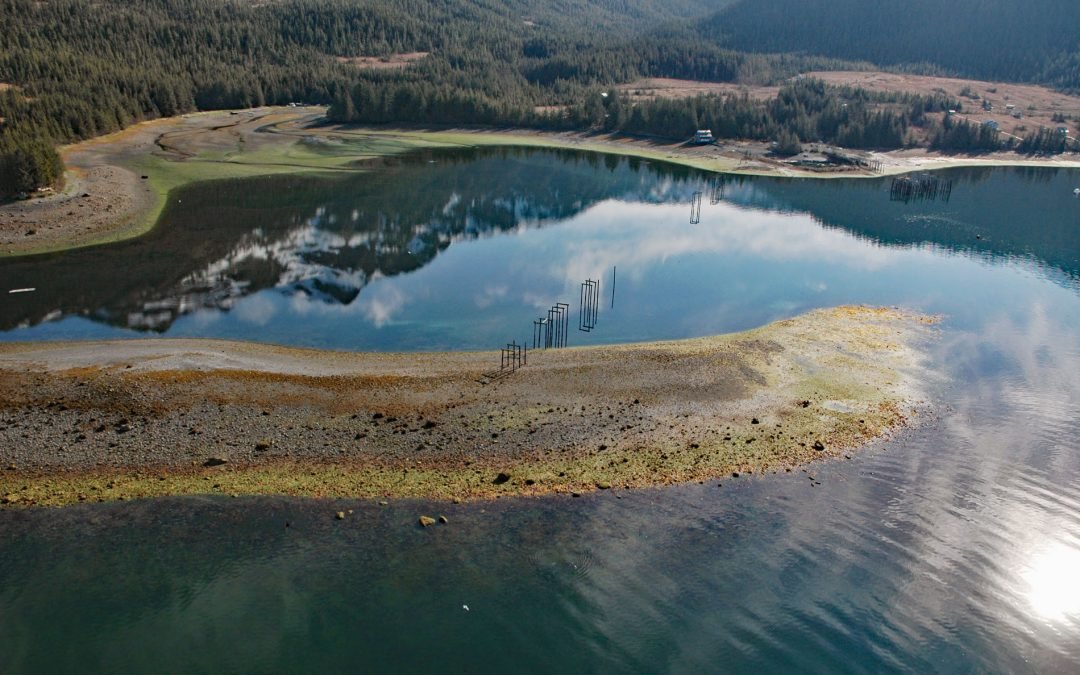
(132, 419)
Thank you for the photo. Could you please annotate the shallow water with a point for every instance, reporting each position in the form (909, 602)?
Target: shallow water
(954, 547)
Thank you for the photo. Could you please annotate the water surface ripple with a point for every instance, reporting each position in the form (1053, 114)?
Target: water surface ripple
(953, 547)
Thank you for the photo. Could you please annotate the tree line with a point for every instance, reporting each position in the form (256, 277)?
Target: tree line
(87, 67)
(80, 68)
(1012, 40)
(804, 110)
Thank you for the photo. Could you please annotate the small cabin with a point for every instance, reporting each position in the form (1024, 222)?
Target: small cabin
(991, 124)
(703, 137)
(1064, 131)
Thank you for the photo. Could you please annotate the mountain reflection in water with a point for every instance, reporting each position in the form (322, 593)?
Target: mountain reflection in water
(316, 240)
(323, 237)
(952, 547)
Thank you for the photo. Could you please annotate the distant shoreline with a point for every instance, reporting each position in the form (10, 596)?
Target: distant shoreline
(116, 185)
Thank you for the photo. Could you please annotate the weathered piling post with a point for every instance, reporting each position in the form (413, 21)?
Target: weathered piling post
(717, 192)
(695, 208)
(564, 313)
(589, 309)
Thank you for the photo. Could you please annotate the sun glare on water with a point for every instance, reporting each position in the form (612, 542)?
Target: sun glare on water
(1053, 579)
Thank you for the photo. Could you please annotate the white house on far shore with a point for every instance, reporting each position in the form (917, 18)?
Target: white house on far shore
(703, 136)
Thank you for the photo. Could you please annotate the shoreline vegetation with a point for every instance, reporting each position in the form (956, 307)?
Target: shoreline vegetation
(118, 420)
(116, 185)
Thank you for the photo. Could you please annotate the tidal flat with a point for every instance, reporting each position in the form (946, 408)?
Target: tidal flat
(134, 419)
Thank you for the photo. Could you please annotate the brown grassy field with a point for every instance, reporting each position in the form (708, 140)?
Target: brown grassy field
(391, 62)
(1036, 106)
(665, 87)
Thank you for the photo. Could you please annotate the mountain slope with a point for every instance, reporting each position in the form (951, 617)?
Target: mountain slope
(1030, 40)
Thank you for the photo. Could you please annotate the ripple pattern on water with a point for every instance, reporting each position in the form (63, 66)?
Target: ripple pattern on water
(954, 547)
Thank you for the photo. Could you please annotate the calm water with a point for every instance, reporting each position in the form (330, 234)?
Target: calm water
(952, 548)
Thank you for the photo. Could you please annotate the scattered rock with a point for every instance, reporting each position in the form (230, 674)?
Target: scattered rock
(734, 474)
(215, 461)
(377, 416)
(603, 485)
(444, 520)
(429, 425)
(503, 477)
(819, 446)
(755, 421)
(340, 515)
(805, 404)
(426, 521)
(383, 502)
(263, 445)
(575, 494)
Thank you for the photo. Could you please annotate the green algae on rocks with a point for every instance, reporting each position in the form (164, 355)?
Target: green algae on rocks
(138, 419)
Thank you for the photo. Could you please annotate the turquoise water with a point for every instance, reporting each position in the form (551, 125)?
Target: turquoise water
(953, 547)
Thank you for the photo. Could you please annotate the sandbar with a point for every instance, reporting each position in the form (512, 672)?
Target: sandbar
(101, 421)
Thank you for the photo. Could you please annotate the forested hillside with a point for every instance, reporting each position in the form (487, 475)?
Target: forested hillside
(72, 69)
(1017, 40)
